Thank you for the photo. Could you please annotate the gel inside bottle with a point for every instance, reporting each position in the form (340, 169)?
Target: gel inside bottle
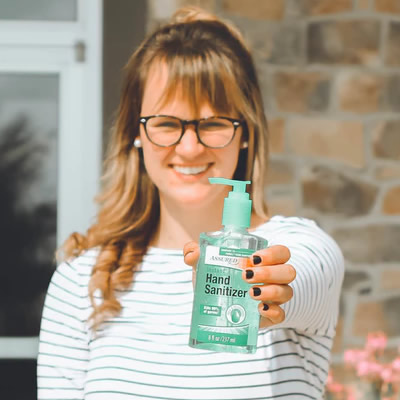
(224, 317)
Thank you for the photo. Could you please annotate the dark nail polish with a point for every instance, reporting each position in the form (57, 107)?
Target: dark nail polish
(256, 291)
(249, 273)
(256, 260)
(266, 307)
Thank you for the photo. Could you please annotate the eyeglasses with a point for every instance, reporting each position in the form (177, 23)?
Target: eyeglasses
(213, 132)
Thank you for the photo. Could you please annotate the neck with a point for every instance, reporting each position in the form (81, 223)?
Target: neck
(179, 226)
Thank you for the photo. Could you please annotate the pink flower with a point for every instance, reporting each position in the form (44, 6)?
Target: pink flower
(396, 364)
(387, 375)
(376, 341)
(351, 394)
(335, 387)
(332, 386)
(353, 357)
(369, 369)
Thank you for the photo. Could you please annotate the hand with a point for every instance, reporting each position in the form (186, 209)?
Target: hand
(268, 270)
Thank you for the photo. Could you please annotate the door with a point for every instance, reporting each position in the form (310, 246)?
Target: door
(50, 150)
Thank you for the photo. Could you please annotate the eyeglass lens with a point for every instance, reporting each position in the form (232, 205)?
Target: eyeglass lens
(213, 132)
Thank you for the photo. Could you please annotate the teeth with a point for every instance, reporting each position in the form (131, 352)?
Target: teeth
(190, 170)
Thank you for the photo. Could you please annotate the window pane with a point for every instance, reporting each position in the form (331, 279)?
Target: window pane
(51, 10)
(28, 201)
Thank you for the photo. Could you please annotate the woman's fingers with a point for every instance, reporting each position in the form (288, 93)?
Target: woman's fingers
(271, 314)
(268, 270)
(271, 274)
(277, 294)
(271, 256)
(281, 274)
(191, 253)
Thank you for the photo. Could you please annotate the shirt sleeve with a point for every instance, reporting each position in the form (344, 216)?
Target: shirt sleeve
(319, 265)
(63, 347)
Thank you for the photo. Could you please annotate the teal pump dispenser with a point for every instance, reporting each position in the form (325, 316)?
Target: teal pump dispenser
(224, 317)
(237, 206)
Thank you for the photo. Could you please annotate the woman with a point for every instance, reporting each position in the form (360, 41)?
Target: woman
(117, 314)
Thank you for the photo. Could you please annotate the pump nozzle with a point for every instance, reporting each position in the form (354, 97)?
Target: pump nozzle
(238, 186)
(237, 206)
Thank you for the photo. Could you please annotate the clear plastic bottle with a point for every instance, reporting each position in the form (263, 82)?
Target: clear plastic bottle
(225, 318)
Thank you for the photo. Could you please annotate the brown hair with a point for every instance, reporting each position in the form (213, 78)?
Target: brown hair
(210, 60)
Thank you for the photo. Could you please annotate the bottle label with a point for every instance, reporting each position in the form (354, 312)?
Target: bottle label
(223, 309)
(227, 257)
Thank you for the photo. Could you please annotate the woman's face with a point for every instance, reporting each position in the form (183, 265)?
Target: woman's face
(181, 172)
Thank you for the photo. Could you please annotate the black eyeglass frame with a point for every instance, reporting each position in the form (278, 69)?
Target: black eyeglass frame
(184, 122)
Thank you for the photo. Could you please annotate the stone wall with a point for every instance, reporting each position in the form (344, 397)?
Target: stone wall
(330, 73)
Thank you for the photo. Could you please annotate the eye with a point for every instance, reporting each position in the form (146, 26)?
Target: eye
(212, 125)
(215, 125)
(164, 123)
(167, 124)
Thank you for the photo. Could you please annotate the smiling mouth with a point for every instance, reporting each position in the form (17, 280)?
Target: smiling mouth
(190, 170)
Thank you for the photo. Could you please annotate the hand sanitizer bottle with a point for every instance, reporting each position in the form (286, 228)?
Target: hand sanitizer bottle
(224, 317)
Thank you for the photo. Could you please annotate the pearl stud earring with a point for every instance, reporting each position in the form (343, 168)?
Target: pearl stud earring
(244, 145)
(137, 143)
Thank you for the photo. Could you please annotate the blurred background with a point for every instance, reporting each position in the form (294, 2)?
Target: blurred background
(330, 74)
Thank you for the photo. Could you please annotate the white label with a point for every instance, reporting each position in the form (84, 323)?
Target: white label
(213, 257)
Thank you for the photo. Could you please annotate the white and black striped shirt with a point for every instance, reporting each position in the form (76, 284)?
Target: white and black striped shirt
(143, 353)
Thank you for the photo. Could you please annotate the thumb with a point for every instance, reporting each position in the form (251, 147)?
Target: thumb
(191, 253)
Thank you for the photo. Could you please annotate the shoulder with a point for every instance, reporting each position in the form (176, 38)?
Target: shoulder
(85, 260)
(79, 269)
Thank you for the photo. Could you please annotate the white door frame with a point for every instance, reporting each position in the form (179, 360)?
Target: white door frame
(45, 47)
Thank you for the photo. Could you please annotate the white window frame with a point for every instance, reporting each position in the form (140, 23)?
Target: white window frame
(43, 47)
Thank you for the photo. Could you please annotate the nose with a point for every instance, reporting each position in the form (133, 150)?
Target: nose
(189, 144)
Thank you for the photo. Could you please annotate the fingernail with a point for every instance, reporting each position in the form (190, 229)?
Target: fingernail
(256, 260)
(266, 307)
(256, 291)
(249, 273)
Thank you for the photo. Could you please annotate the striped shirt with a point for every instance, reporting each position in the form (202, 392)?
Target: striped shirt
(143, 353)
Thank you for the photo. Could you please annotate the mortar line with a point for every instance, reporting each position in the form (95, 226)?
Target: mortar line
(384, 35)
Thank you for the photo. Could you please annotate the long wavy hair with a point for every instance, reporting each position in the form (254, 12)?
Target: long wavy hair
(212, 64)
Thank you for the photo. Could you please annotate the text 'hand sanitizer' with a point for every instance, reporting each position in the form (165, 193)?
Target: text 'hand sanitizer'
(225, 318)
